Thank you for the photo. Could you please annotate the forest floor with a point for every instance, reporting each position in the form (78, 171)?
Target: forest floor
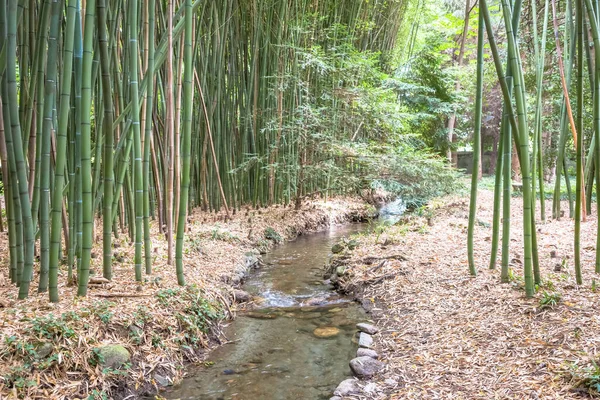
(54, 351)
(447, 335)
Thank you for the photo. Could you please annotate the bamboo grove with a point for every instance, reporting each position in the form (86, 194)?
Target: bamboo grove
(121, 113)
(572, 28)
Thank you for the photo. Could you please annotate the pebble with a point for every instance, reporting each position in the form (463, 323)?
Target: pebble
(365, 367)
(241, 296)
(161, 380)
(367, 328)
(365, 340)
(347, 387)
(367, 353)
(326, 332)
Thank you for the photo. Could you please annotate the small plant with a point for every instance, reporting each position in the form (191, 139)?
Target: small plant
(98, 395)
(165, 295)
(157, 342)
(123, 371)
(379, 228)
(546, 284)
(23, 349)
(15, 378)
(70, 316)
(97, 358)
(51, 328)
(224, 236)
(271, 234)
(511, 275)
(193, 244)
(102, 310)
(586, 378)
(549, 299)
(142, 316)
(424, 211)
(47, 362)
(191, 309)
(196, 317)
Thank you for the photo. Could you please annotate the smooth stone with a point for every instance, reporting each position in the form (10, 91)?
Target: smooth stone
(161, 380)
(340, 271)
(326, 332)
(114, 356)
(367, 328)
(335, 398)
(241, 296)
(365, 367)
(347, 387)
(43, 350)
(365, 340)
(259, 315)
(367, 353)
(367, 304)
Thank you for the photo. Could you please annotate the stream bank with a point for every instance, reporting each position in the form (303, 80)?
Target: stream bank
(153, 328)
(444, 334)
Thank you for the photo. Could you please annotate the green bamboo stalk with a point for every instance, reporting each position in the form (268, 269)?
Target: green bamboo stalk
(49, 105)
(476, 146)
(148, 136)
(108, 142)
(579, 143)
(15, 134)
(61, 150)
(86, 167)
(135, 122)
(186, 140)
(593, 20)
(513, 54)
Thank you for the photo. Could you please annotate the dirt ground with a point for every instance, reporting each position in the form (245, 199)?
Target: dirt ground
(447, 335)
(161, 325)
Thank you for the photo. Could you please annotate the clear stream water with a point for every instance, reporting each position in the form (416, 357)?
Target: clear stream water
(273, 353)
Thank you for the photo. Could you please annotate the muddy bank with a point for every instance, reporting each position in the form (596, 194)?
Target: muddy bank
(444, 334)
(130, 338)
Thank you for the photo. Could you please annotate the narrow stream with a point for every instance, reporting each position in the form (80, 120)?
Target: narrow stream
(275, 352)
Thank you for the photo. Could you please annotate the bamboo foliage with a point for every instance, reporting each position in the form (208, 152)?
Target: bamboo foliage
(126, 114)
(580, 21)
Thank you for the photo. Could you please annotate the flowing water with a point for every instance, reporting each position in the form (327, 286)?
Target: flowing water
(391, 212)
(274, 352)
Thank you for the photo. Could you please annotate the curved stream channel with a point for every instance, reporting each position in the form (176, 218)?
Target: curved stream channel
(274, 352)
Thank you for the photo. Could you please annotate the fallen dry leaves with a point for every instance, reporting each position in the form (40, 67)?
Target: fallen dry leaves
(215, 254)
(446, 335)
